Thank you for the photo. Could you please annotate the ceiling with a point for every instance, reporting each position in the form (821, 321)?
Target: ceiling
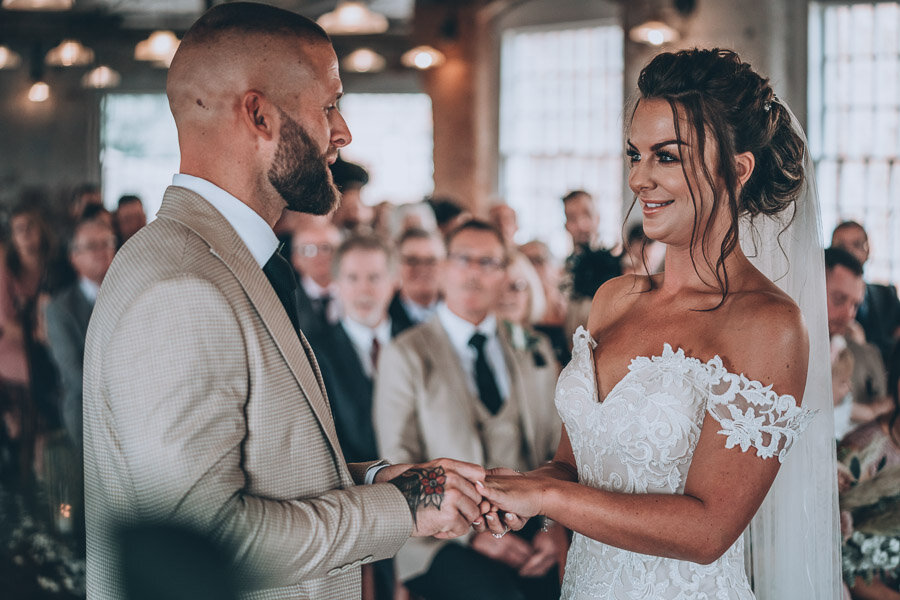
(89, 20)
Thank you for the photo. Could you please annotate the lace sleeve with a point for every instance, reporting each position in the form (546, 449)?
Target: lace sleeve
(751, 414)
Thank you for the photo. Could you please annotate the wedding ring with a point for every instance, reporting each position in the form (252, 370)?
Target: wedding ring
(500, 535)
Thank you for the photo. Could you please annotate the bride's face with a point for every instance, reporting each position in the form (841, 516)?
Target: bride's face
(659, 160)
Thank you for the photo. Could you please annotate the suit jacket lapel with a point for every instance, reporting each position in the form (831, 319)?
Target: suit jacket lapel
(449, 369)
(196, 213)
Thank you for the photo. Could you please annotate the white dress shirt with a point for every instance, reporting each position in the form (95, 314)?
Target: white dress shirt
(253, 230)
(460, 332)
(88, 288)
(314, 291)
(361, 336)
(418, 313)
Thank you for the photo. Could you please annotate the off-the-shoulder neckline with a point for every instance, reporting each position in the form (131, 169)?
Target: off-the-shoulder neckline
(667, 354)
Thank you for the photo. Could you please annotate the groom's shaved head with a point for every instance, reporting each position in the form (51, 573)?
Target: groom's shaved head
(234, 47)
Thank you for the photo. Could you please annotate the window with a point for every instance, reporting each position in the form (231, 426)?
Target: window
(138, 148)
(854, 127)
(561, 126)
(394, 141)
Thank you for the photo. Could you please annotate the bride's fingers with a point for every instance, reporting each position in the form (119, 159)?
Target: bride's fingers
(513, 521)
(495, 524)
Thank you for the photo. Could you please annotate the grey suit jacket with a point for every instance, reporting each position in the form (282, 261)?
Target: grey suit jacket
(203, 408)
(424, 410)
(67, 316)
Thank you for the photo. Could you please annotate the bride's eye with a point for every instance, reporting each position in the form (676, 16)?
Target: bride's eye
(633, 155)
(667, 157)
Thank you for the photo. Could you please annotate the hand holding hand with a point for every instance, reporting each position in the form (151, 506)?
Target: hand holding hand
(443, 501)
(512, 492)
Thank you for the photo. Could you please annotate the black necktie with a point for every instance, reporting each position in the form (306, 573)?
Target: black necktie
(281, 276)
(484, 377)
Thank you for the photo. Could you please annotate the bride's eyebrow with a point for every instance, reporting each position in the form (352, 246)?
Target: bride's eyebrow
(656, 147)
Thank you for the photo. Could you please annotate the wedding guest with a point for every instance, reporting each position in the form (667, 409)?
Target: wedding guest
(130, 216)
(69, 312)
(870, 461)
(550, 271)
(503, 217)
(415, 215)
(312, 254)
(420, 255)
(845, 290)
(879, 312)
(24, 397)
(456, 385)
(589, 265)
(365, 271)
(352, 214)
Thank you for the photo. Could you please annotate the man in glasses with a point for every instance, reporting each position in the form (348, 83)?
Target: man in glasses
(421, 253)
(455, 386)
(312, 256)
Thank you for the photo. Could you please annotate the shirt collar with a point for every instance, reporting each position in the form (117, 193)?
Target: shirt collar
(313, 289)
(461, 331)
(88, 288)
(362, 336)
(416, 311)
(250, 226)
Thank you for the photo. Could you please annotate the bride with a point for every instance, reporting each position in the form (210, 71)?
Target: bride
(684, 395)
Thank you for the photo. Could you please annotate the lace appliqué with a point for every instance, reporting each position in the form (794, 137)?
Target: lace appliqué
(641, 439)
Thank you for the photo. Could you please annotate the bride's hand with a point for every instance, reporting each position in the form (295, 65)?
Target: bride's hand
(515, 493)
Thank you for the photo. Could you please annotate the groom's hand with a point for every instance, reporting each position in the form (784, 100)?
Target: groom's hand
(441, 496)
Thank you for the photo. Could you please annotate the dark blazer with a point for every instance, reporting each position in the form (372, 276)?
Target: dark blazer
(879, 316)
(67, 318)
(312, 321)
(349, 390)
(398, 314)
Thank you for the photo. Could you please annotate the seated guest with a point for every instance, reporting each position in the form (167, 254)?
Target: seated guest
(879, 312)
(845, 289)
(415, 215)
(347, 352)
(420, 253)
(352, 214)
(130, 217)
(870, 474)
(550, 272)
(503, 217)
(455, 385)
(312, 251)
(69, 311)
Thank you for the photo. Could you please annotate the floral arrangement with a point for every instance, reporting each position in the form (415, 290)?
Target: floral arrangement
(873, 503)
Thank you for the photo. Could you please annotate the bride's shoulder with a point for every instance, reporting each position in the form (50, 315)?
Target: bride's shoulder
(767, 339)
(615, 297)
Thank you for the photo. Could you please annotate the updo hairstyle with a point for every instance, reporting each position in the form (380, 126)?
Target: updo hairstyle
(722, 96)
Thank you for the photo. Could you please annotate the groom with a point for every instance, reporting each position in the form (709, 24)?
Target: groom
(203, 405)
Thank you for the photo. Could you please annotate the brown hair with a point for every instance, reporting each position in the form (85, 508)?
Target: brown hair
(719, 94)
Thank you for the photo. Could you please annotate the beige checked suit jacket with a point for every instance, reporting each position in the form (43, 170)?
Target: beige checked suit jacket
(424, 409)
(203, 408)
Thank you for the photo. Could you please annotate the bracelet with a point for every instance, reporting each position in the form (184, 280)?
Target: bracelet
(546, 524)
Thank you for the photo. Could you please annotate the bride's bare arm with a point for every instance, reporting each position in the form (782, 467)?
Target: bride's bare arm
(724, 487)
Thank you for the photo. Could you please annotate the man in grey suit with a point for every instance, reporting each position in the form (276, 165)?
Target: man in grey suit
(68, 313)
(204, 407)
(456, 386)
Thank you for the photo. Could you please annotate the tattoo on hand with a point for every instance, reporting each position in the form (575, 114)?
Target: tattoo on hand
(422, 488)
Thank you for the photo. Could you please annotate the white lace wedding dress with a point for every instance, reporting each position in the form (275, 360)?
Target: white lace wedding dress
(641, 439)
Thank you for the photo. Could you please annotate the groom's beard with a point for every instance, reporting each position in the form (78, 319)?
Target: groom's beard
(300, 174)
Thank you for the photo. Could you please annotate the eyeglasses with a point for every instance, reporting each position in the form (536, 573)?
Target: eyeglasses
(417, 261)
(313, 250)
(486, 264)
